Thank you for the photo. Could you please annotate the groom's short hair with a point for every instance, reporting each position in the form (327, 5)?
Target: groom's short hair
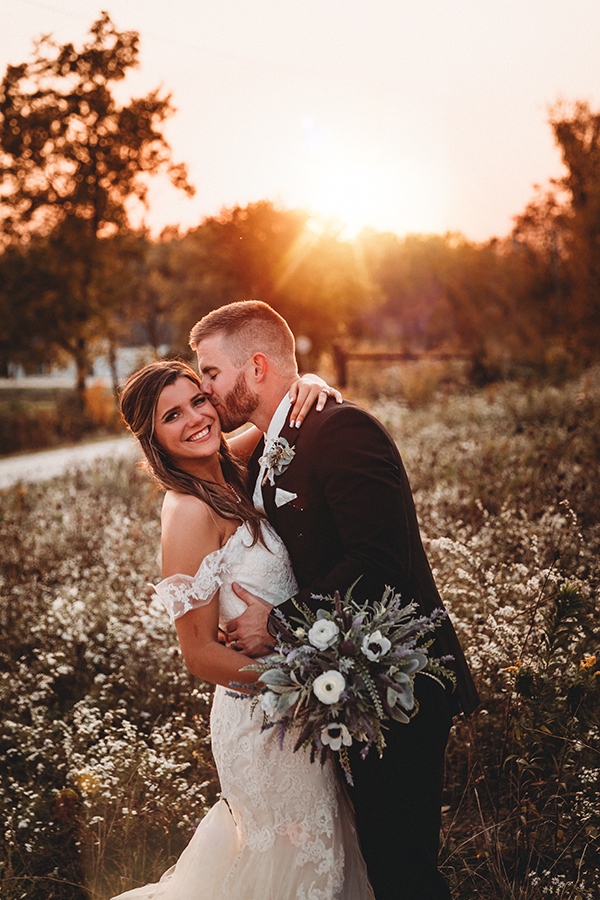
(250, 326)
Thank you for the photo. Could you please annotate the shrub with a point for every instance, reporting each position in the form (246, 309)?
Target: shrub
(35, 422)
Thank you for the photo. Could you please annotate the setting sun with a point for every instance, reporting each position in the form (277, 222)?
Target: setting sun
(362, 189)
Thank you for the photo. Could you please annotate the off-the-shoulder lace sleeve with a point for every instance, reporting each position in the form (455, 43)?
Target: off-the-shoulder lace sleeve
(181, 593)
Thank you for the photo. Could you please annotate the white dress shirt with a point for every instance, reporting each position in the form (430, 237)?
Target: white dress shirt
(273, 431)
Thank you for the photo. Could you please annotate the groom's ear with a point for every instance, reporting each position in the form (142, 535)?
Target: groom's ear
(258, 366)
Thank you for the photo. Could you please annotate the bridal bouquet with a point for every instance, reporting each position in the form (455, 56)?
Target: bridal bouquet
(336, 676)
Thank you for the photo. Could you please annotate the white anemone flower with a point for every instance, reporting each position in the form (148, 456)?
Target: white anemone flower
(336, 734)
(329, 686)
(374, 646)
(323, 634)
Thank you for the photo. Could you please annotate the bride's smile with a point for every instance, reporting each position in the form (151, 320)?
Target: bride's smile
(187, 425)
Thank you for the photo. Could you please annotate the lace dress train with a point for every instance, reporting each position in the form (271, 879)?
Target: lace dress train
(284, 828)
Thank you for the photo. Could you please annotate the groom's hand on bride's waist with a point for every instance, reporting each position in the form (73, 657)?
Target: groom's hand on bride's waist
(248, 633)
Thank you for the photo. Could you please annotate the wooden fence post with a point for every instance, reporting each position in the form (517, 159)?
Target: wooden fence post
(340, 363)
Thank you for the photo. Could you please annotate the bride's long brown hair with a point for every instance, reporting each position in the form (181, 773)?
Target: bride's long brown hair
(139, 399)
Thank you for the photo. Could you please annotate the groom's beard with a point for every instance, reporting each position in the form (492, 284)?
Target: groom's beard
(237, 406)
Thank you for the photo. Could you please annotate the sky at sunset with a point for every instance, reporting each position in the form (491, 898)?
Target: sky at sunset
(404, 115)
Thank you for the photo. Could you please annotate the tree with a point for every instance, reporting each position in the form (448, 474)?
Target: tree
(491, 291)
(577, 133)
(71, 162)
(560, 230)
(28, 331)
(405, 272)
(261, 252)
(151, 307)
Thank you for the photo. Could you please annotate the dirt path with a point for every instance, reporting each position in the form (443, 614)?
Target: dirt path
(50, 463)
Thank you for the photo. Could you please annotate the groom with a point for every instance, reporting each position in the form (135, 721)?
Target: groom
(344, 509)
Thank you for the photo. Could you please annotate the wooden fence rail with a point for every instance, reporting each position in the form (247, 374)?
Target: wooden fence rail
(341, 357)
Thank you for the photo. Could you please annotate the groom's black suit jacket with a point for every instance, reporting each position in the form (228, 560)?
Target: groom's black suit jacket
(354, 517)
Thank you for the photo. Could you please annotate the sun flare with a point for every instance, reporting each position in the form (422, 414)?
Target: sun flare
(362, 189)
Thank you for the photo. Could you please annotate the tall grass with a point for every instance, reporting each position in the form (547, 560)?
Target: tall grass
(104, 747)
(505, 484)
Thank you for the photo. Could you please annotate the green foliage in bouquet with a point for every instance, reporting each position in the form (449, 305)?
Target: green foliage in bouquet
(336, 676)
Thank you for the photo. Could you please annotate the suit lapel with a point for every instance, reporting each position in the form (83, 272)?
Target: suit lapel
(268, 494)
(253, 462)
(290, 434)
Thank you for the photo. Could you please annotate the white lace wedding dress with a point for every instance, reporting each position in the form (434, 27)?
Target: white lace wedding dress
(283, 829)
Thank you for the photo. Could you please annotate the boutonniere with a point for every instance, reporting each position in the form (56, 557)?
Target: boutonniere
(276, 458)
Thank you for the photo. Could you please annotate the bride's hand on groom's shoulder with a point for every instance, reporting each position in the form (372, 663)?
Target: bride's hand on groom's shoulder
(308, 391)
(248, 633)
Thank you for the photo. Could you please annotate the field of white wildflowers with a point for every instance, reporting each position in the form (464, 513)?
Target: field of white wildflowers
(105, 763)
(104, 749)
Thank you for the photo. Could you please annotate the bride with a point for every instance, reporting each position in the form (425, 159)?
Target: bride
(283, 829)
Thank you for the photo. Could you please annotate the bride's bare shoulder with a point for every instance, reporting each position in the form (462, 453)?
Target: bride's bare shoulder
(189, 532)
(185, 505)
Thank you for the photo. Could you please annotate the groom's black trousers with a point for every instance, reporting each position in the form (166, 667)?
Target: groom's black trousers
(398, 799)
